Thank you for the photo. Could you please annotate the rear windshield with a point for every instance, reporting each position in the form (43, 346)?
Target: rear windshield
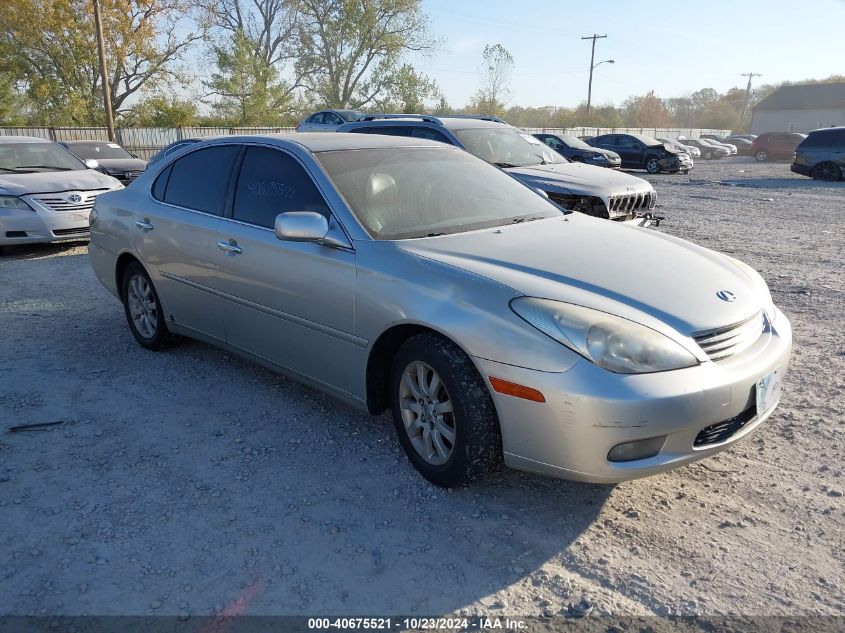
(27, 158)
(507, 147)
(98, 150)
(402, 193)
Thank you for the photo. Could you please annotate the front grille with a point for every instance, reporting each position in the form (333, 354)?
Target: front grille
(59, 201)
(725, 342)
(126, 177)
(626, 203)
(82, 230)
(721, 431)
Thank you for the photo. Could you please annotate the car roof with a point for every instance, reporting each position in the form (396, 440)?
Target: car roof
(23, 139)
(330, 141)
(87, 140)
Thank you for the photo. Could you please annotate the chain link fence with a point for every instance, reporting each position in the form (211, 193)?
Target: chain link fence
(146, 141)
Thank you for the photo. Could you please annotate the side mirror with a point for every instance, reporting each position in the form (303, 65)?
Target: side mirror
(92, 163)
(301, 226)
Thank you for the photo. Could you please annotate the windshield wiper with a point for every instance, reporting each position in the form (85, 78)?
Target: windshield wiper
(505, 165)
(8, 169)
(434, 234)
(55, 167)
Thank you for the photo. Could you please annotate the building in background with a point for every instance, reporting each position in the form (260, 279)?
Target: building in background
(800, 109)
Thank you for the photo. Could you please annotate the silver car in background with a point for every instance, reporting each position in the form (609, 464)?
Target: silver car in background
(327, 120)
(407, 274)
(46, 193)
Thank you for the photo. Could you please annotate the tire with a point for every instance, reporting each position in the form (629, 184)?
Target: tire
(827, 171)
(145, 318)
(761, 155)
(652, 165)
(475, 449)
(708, 155)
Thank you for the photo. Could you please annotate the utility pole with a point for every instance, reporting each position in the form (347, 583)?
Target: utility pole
(593, 37)
(747, 96)
(104, 71)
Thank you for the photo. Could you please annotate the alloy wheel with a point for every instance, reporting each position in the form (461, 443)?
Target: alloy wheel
(142, 306)
(427, 413)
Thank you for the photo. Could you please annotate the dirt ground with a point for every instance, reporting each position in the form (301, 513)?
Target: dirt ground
(192, 482)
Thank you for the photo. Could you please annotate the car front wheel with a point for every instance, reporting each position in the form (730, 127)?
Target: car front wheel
(143, 308)
(761, 155)
(444, 416)
(708, 155)
(652, 165)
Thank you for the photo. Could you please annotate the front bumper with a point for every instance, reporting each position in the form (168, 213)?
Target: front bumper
(804, 170)
(33, 227)
(589, 410)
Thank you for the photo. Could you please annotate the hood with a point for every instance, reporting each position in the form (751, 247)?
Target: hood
(122, 164)
(50, 181)
(639, 274)
(576, 178)
(604, 152)
(671, 148)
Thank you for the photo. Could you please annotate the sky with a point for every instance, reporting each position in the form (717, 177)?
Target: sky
(673, 48)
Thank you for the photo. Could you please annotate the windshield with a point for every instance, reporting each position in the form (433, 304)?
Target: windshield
(575, 142)
(98, 150)
(507, 147)
(402, 193)
(26, 158)
(647, 140)
(349, 115)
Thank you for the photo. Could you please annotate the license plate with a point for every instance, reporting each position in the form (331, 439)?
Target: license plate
(768, 392)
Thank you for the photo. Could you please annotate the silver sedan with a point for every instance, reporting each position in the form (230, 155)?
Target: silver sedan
(406, 274)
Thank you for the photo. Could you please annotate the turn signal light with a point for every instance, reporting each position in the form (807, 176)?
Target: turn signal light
(516, 390)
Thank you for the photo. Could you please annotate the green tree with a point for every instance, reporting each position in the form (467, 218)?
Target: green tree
(48, 46)
(12, 108)
(162, 111)
(409, 91)
(247, 88)
(350, 51)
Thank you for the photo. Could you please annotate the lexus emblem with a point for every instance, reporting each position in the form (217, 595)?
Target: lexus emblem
(726, 295)
(74, 198)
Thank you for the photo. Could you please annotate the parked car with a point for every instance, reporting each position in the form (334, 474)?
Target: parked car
(708, 150)
(776, 145)
(595, 191)
(171, 149)
(821, 155)
(743, 145)
(689, 149)
(716, 140)
(643, 152)
(578, 151)
(327, 120)
(113, 159)
(406, 274)
(46, 193)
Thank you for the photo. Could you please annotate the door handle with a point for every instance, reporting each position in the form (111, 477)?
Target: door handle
(144, 225)
(231, 247)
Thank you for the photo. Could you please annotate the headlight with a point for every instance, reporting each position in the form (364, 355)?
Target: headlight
(597, 157)
(760, 284)
(13, 202)
(611, 342)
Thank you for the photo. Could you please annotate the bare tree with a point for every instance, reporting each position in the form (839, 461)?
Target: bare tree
(496, 71)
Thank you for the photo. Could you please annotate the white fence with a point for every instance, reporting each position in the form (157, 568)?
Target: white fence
(146, 141)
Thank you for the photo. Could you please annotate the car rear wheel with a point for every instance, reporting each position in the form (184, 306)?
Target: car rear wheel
(652, 165)
(444, 416)
(708, 155)
(761, 155)
(827, 171)
(143, 308)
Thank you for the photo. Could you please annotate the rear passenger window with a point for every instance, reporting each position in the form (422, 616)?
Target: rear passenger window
(273, 182)
(818, 139)
(431, 135)
(200, 179)
(160, 184)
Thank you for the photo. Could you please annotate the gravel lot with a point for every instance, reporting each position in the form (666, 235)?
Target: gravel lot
(192, 482)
